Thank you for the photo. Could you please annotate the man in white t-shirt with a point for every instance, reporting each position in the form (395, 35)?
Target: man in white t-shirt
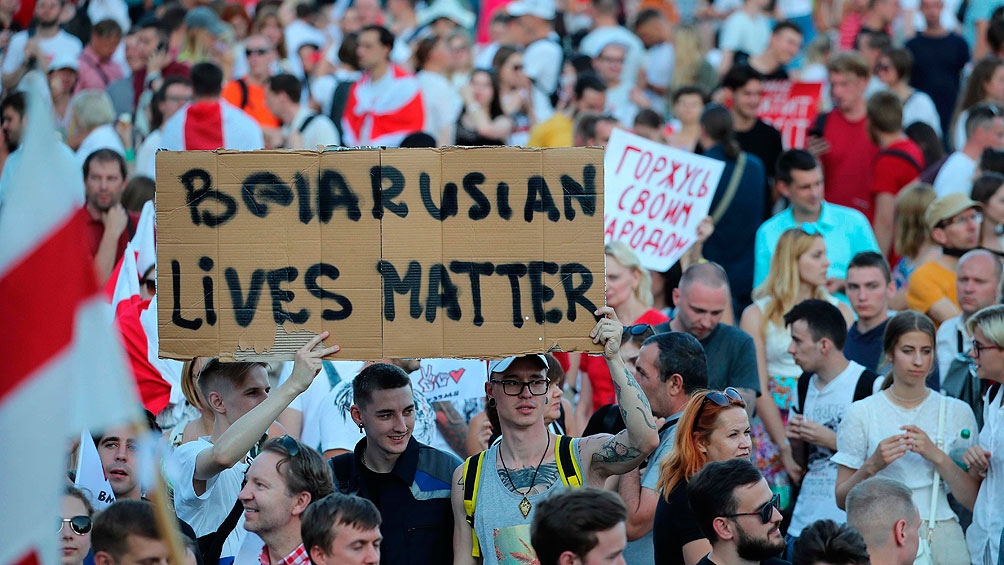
(39, 46)
(747, 29)
(984, 130)
(543, 56)
(818, 333)
(207, 473)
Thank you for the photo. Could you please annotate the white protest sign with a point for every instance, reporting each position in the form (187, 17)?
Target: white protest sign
(655, 197)
(452, 379)
(90, 476)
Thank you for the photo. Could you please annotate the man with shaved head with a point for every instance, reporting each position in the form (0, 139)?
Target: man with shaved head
(702, 299)
(883, 512)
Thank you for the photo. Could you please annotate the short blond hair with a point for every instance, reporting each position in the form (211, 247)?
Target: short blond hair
(624, 255)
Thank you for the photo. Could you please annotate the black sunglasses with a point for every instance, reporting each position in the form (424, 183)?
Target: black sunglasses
(291, 446)
(638, 330)
(259, 51)
(724, 398)
(79, 525)
(765, 512)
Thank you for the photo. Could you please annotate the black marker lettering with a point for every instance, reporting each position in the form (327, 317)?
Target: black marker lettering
(541, 293)
(280, 296)
(206, 264)
(195, 196)
(514, 271)
(482, 206)
(577, 294)
(475, 271)
(330, 271)
(392, 283)
(442, 294)
(303, 196)
(244, 309)
(502, 196)
(449, 198)
(176, 318)
(383, 198)
(585, 193)
(332, 193)
(268, 187)
(538, 199)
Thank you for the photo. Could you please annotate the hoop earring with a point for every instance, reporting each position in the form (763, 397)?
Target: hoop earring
(491, 402)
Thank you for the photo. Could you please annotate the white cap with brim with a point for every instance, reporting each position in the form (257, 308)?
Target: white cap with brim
(501, 365)
(452, 10)
(64, 61)
(543, 9)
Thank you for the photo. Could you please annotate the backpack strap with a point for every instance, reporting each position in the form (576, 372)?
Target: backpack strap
(338, 99)
(472, 480)
(902, 155)
(803, 389)
(211, 544)
(568, 467)
(244, 92)
(866, 384)
(820, 124)
(306, 122)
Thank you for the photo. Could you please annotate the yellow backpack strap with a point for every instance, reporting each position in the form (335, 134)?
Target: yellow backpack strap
(568, 467)
(472, 480)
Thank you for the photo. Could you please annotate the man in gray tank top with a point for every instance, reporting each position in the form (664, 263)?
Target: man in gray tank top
(521, 470)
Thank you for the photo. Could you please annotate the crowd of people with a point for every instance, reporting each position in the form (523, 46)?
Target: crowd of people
(818, 379)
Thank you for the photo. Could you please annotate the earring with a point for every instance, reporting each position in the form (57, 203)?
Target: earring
(360, 428)
(491, 402)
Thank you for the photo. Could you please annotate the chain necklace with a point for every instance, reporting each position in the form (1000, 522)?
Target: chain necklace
(902, 400)
(524, 505)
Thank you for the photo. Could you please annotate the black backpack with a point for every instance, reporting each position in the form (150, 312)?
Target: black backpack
(866, 383)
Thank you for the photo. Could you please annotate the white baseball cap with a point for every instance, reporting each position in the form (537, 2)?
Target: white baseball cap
(501, 365)
(543, 9)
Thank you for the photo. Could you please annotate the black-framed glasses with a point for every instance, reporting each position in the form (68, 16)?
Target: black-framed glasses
(980, 348)
(515, 388)
(765, 512)
(723, 398)
(639, 330)
(79, 525)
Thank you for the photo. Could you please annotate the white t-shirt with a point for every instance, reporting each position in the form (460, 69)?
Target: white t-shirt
(826, 406)
(442, 105)
(956, 175)
(741, 32)
(920, 108)
(62, 43)
(320, 131)
(207, 512)
(984, 535)
(542, 63)
(875, 418)
(309, 402)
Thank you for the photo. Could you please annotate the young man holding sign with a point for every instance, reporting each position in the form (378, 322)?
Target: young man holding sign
(207, 473)
(532, 463)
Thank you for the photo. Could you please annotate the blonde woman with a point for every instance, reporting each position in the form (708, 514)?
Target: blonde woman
(912, 241)
(690, 68)
(629, 293)
(797, 272)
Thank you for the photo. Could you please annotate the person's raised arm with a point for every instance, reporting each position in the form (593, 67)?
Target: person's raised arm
(606, 455)
(240, 437)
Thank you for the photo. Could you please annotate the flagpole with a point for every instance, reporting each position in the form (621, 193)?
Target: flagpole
(167, 520)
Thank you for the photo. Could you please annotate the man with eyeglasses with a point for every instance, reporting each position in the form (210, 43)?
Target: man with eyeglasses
(283, 480)
(845, 230)
(738, 513)
(408, 481)
(248, 91)
(515, 474)
(954, 221)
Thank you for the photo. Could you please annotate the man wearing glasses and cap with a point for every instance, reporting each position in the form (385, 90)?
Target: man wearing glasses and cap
(282, 481)
(739, 514)
(954, 221)
(494, 492)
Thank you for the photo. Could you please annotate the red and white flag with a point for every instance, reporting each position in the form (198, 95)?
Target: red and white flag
(64, 367)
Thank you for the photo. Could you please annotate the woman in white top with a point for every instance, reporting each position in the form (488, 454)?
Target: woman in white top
(893, 69)
(797, 272)
(893, 434)
(986, 459)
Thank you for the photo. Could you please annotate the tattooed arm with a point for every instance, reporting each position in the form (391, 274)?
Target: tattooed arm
(452, 425)
(463, 542)
(604, 455)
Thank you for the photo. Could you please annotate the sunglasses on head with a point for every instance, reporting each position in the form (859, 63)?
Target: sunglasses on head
(639, 330)
(724, 398)
(79, 525)
(765, 512)
(291, 446)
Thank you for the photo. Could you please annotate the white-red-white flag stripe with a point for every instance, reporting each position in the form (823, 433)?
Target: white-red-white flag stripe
(64, 368)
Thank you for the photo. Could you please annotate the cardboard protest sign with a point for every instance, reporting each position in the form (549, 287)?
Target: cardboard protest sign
(655, 197)
(791, 107)
(452, 379)
(458, 252)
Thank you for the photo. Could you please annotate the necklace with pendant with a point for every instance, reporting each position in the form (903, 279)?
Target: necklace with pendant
(524, 505)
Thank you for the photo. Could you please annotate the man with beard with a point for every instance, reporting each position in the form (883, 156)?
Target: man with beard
(738, 513)
(408, 481)
(110, 225)
(283, 480)
(39, 46)
(954, 221)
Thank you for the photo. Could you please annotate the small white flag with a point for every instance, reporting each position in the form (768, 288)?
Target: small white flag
(91, 474)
